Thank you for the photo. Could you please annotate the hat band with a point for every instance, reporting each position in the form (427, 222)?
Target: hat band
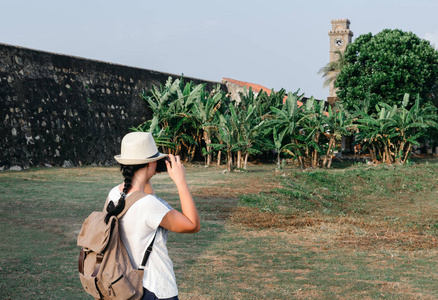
(155, 155)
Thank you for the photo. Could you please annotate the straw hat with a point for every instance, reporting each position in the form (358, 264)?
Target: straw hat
(138, 148)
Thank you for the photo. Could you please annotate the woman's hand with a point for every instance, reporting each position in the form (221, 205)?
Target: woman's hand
(188, 220)
(176, 170)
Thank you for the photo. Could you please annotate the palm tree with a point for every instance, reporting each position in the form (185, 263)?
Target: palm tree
(331, 71)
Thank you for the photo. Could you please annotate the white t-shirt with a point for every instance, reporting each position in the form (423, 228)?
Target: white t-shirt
(137, 228)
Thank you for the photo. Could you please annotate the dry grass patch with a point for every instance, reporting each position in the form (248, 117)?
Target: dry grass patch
(253, 218)
(338, 231)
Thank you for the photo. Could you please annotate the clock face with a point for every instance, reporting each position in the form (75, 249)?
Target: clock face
(339, 42)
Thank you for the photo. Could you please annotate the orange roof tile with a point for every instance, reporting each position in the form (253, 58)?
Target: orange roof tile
(255, 87)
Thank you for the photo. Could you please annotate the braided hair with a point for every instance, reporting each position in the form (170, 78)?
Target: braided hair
(128, 172)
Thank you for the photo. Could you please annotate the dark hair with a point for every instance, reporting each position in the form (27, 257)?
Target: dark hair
(128, 172)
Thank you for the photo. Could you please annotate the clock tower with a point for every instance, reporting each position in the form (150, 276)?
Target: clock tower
(340, 37)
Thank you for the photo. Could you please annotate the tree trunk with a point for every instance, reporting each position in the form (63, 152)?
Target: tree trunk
(398, 153)
(278, 160)
(373, 153)
(315, 155)
(329, 162)
(407, 153)
(178, 149)
(314, 158)
(239, 159)
(388, 160)
(301, 162)
(327, 156)
(246, 160)
(207, 141)
(219, 158)
(192, 153)
(208, 155)
(324, 161)
(229, 160)
(377, 153)
(330, 158)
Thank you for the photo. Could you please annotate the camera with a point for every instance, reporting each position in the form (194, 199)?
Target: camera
(161, 165)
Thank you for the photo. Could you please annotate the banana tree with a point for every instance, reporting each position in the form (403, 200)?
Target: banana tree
(186, 127)
(249, 133)
(410, 125)
(278, 143)
(172, 120)
(284, 124)
(159, 99)
(262, 102)
(254, 111)
(312, 126)
(390, 133)
(337, 125)
(227, 137)
(204, 111)
(305, 127)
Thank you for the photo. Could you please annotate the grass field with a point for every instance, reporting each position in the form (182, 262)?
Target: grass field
(352, 232)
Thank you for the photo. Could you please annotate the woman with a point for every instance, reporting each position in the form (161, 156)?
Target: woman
(151, 217)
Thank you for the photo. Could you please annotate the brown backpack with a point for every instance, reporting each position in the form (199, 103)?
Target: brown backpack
(105, 270)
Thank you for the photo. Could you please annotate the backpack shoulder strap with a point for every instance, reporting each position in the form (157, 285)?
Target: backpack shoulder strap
(130, 200)
(147, 253)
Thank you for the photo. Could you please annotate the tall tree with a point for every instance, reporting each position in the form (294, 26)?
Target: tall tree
(386, 66)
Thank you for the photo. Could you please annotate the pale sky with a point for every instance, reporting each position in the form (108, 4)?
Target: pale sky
(276, 43)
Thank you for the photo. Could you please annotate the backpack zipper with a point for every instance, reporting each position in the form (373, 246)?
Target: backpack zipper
(110, 287)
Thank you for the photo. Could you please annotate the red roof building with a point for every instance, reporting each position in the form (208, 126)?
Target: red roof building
(235, 86)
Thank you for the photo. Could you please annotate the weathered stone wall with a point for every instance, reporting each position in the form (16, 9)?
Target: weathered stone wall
(56, 108)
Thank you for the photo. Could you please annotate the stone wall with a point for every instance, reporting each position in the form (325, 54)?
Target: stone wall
(57, 109)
